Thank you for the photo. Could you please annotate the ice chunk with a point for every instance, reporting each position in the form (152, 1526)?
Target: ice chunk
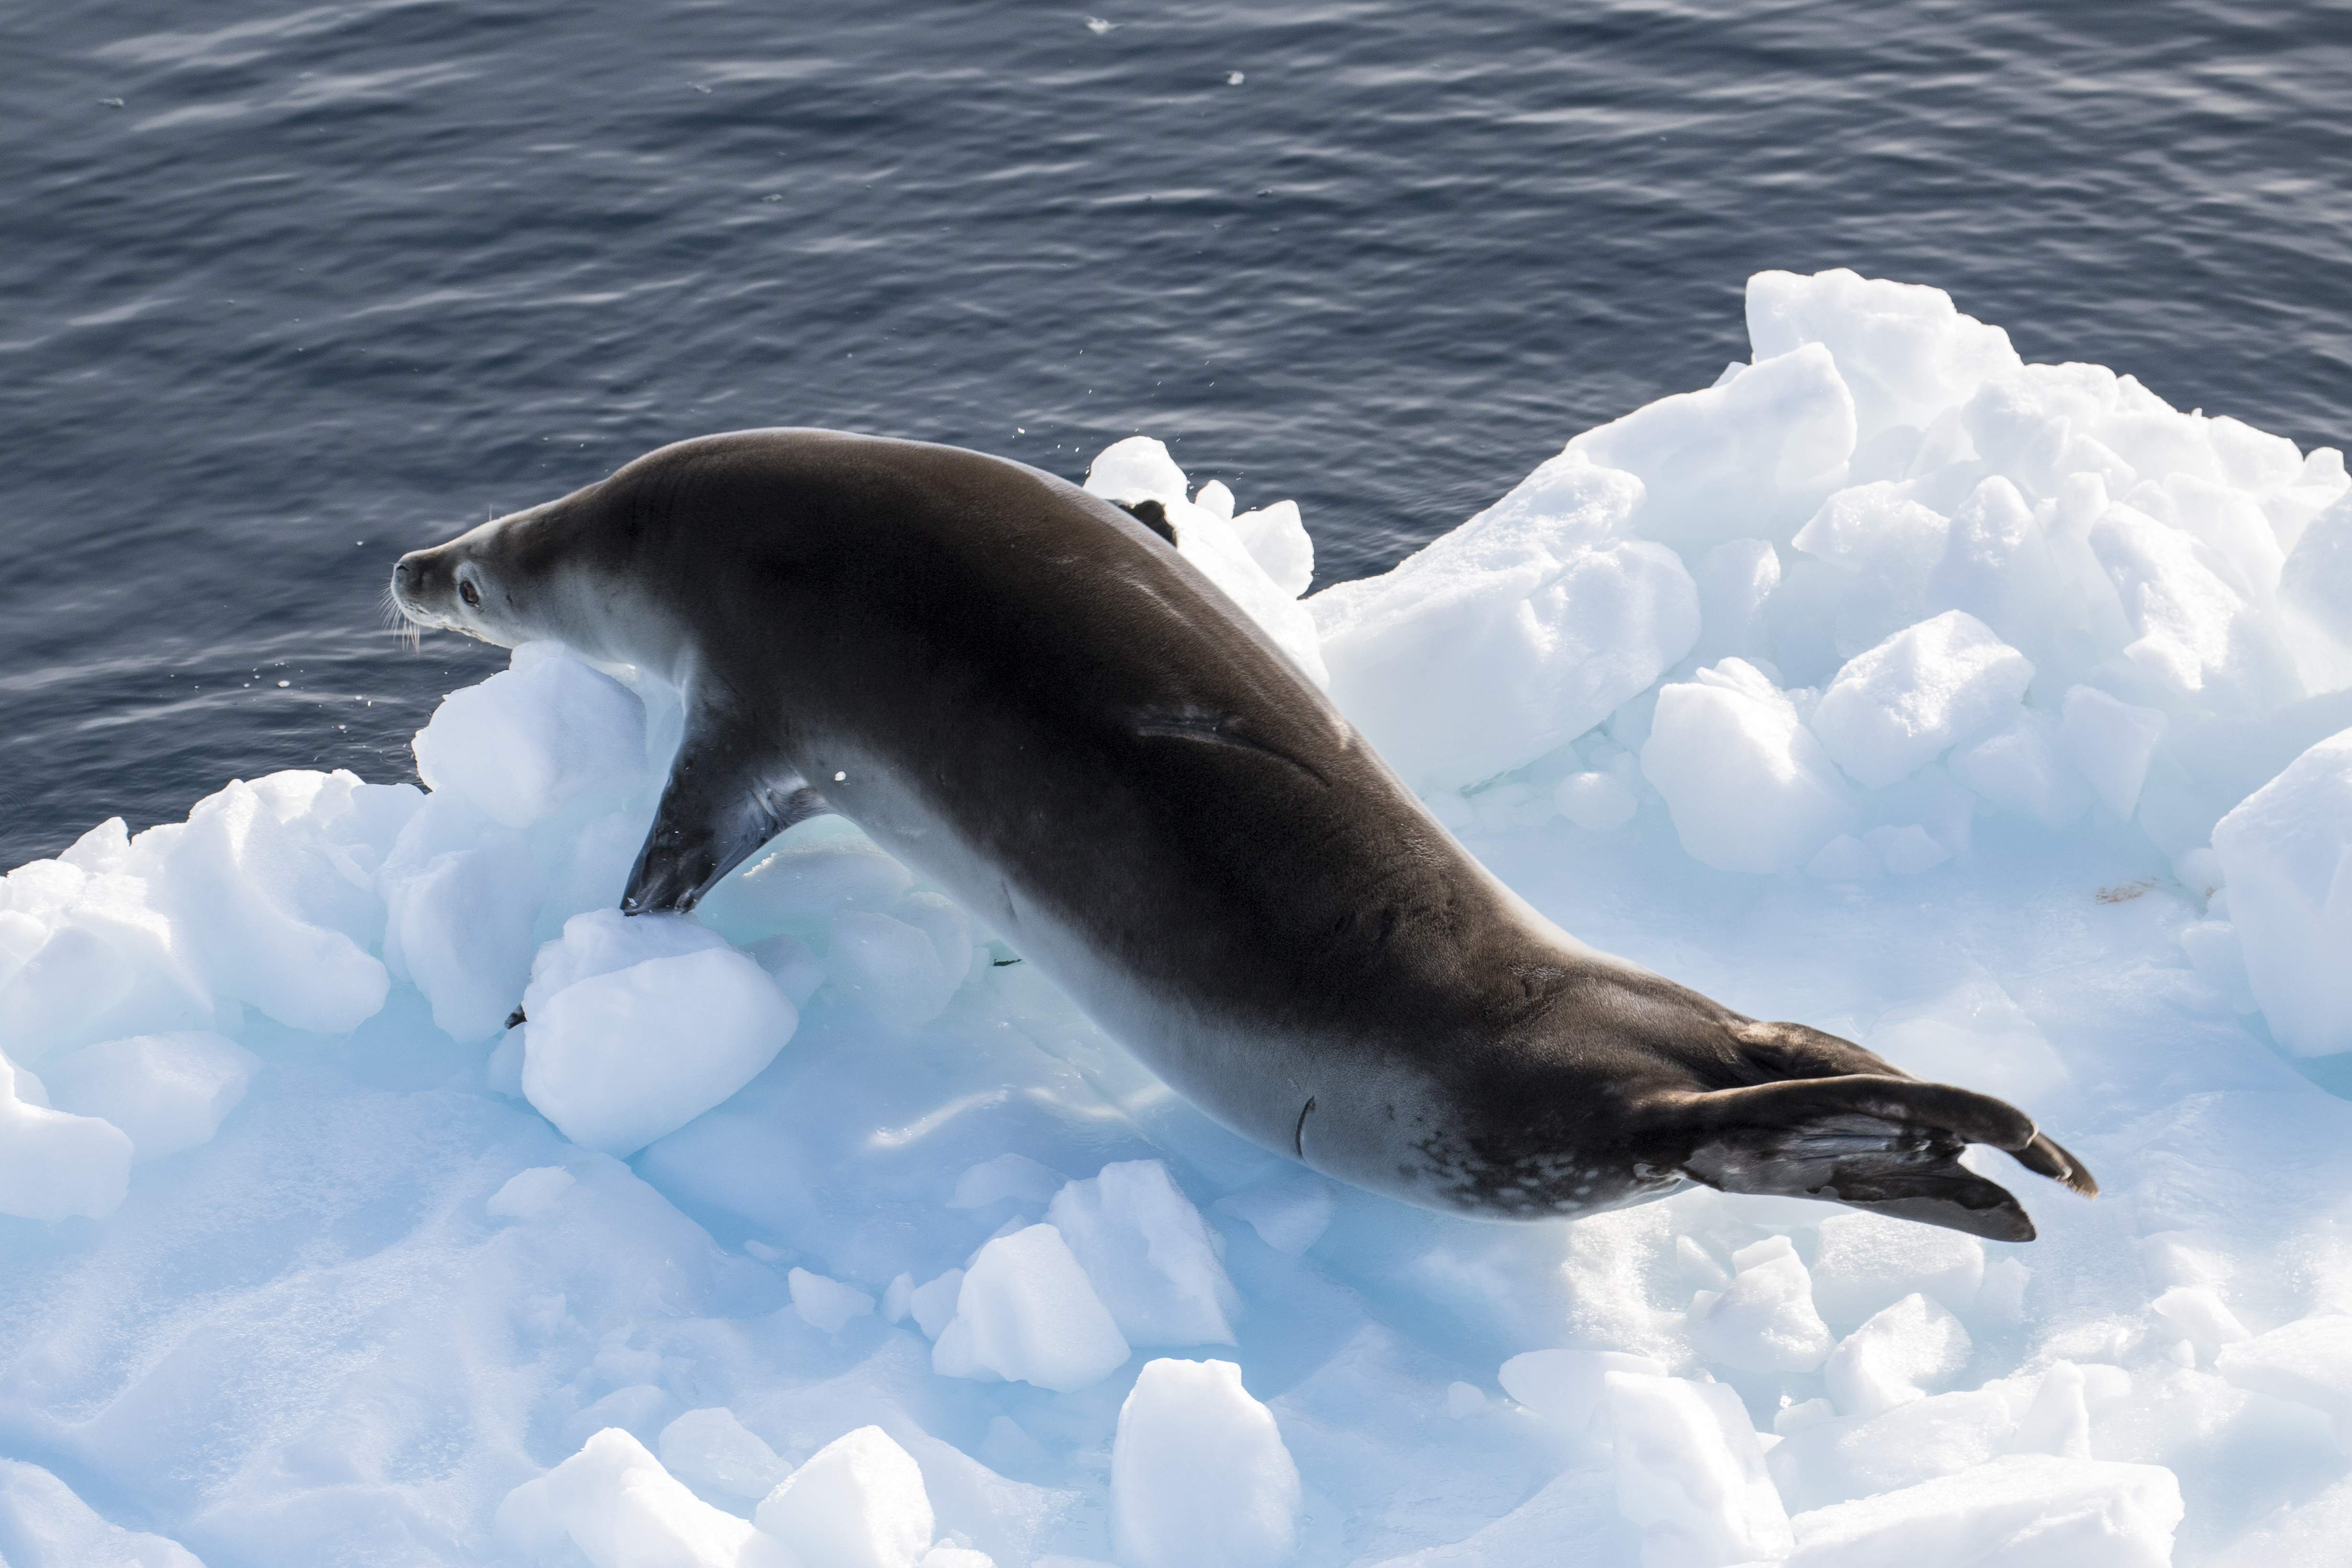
(1904, 351)
(460, 921)
(820, 869)
(2020, 768)
(52, 1163)
(1464, 1399)
(1998, 566)
(526, 1194)
(166, 1092)
(1199, 1473)
(938, 918)
(2317, 577)
(1691, 1473)
(792, 963)
(827, 1304)
(1288, 1216)
(1865, 1263)
(1150, 1258)
(858, 1503)
(1749, 787)
(1006, 1176)
(637, 1025)
(2201, 1317)
(1568, 1386)
(934, 1304)
(1831, 1461)
(1510, 635)
(1895, 707)
(1140, 469)
(534, 738)
(1906, 850)
(891, 968)
(44, 1525)
(1277, 540)
(1735, 580)
(1026, 1312)
(2309, 1361)
(2109, 742)
(1765, 1320)
(246, 886)
(2022, 1512)
(1902, 1353)
(711, 1451)
(2288, 852)
(621, 1510)
(2194, 634)
(1883, 544)
(1749, 459)
(1596, 802)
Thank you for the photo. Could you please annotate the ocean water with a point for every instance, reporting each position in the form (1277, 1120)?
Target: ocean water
(290, 289)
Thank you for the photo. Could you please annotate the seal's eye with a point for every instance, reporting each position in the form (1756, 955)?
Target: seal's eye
(468, 593)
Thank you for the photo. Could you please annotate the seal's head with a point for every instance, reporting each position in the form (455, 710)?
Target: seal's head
(474, 584)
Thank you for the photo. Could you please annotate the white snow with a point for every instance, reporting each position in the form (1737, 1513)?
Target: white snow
(1995, 716)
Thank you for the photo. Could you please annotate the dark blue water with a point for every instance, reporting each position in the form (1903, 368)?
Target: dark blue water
(287, 291)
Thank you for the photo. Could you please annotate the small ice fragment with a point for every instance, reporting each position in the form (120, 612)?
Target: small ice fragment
(2285, 849)
(1891, 710)
(1905, 850)
(611, 986)
(528, 1192)
(1901, 1355)
(2110, 744)
(1190, 1434)
(1006, 1176)
(858, 1503)
(2083, 1513)
(1594, 801)
(934, 1304)
(711, 1451)
(2309, 1361)
(1097, 26)
(792, 963)
(534, 738)
(44, 1525)
(1690, 1473)
(1025, 1311)
(827, 1304)
(1151, 1259)
(167, 1092)
(1865, 1263)
(1794, 1418)
(890, 967)
(53, 1163)
(1288, 1216)
(613, 1492)
(1844, 858)
(1766, 1320)
(897, 1297)
(1749, 787)
(1234, 79)
(1566, 1386)
(1463, 1399)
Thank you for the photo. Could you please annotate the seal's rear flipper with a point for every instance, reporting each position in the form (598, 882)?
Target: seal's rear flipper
(1881, 1143)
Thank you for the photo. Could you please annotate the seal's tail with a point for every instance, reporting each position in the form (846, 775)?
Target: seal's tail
(1874, 1141)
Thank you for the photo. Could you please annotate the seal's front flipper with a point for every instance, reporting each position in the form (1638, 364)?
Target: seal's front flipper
(722, 802)
(1874, 1142)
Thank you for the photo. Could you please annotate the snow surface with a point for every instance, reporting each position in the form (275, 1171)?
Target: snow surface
(1996, 715)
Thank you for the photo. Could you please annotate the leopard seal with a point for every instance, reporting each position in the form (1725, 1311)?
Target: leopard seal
(1026, 694)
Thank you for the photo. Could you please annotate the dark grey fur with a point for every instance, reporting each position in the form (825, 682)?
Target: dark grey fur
(1026, 694)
